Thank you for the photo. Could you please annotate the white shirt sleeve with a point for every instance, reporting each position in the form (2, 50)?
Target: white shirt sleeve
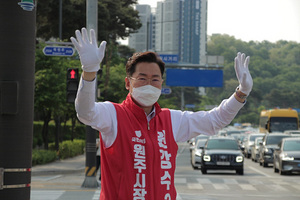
(186, 124)
(99, 115)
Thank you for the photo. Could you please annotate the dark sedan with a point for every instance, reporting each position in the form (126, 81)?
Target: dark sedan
(222, 153)
(266, 149)
(287, 156)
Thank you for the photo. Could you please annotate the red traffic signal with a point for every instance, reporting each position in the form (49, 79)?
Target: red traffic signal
(72, 84)
(72, 74)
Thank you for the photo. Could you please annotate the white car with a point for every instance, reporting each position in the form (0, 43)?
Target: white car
(196, 154)
(255, 149)
(250, 142)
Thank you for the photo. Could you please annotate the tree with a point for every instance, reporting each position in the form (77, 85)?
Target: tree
(50, 90)
(116, 19)
(275, 69)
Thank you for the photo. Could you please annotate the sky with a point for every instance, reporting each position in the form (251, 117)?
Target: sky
(256, 20)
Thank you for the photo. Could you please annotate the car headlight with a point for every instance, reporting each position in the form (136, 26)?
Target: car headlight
(198, 153)
(239, 159)
(268, 150)
(206, 158)
(286, 157)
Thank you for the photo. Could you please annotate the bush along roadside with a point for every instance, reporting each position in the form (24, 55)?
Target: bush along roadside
(40, 157)
(67, 149)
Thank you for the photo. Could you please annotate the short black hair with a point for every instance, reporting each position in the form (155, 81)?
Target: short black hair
(148, 56)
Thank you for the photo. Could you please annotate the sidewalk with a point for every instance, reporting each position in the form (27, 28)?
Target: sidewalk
(67, 166)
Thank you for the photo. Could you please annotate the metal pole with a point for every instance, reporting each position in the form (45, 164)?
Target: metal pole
(90, 180)
(90, 163)
(17, 61)
(60, 19)
(92, 15)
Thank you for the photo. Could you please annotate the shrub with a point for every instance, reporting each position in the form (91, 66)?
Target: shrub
(68, 149)
(43, 156)
(66, 132)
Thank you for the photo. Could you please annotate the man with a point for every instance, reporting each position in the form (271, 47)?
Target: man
(138, 138)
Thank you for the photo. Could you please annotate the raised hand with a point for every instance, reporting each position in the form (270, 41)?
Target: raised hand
(90, 54)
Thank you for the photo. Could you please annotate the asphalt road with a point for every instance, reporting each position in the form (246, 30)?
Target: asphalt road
(257, 183)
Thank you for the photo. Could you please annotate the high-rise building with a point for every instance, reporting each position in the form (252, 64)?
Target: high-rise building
(143, 39)
(175, 27)
(193, 30)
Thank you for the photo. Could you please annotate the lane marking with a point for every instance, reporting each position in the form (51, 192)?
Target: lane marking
(194, 186)
(220, 186)
(247, 187)
(204, 181)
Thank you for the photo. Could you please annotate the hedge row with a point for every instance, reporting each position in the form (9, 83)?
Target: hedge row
(43, 156)
(66, 132)
(67, 149)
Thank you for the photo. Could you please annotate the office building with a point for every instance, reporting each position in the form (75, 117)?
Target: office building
(175, 27)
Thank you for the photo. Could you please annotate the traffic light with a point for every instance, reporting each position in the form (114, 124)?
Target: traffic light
(72, 84)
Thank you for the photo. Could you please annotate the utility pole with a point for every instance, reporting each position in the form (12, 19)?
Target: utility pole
(60, 20)
(17, 61)
(90, 180)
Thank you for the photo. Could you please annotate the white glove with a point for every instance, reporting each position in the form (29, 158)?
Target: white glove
(242, 73)
(90, 55)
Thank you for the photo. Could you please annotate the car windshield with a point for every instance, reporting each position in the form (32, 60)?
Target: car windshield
(291, 145)
(281, 124)
(222, 144)
(275, 139)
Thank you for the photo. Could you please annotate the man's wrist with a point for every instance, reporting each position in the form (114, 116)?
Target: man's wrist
(88, 76)
(240, 96)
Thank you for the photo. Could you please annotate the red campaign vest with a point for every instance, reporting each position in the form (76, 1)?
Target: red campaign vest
(140, 164)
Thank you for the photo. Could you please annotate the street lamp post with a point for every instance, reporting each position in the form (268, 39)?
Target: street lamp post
(90, 180)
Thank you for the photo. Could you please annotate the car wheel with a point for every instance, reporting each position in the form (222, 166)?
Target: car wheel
(240, 171)
(282, 173)
(265, 164)
(275, 169)
(204, 171)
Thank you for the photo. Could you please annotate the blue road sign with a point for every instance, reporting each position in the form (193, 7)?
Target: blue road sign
(190, 106)
(58, 51)
(169, 58)
(166, 90)
(194, 78)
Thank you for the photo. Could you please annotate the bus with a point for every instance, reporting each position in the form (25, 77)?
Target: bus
(278, 120)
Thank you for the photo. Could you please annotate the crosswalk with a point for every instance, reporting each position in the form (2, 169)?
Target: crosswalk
(239, 184)
(204, 184)
(96, 195)
(46, 194)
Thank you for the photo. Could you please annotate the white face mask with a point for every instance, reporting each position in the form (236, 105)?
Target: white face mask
(146, 95)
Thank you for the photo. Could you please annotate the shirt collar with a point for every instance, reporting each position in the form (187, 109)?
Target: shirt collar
(151, 114)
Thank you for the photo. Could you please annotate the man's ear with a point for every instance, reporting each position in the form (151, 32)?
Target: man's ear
(127, 83)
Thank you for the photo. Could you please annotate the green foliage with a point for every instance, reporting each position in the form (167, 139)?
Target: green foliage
(69, 149)
(275, 69)
(43, 156)
(66, 133)
(116, 19)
